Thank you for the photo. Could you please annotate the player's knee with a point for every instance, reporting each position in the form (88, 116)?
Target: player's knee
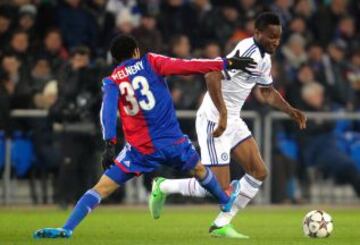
(199, 170)
(260, 173)
(105, 188)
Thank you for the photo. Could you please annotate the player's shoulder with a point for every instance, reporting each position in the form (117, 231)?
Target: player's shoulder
(107, 80)
(249, 48)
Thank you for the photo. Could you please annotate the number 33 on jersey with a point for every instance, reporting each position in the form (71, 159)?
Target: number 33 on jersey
(139, 82)
(137, 89)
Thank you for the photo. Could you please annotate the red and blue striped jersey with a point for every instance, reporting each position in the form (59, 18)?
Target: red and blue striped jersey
(137, 89)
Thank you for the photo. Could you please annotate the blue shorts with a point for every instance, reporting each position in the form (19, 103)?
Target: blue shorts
(129, 163)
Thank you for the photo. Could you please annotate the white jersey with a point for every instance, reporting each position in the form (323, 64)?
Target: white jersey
(237, 84)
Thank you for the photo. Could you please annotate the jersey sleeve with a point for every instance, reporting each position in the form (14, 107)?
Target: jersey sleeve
(264, 78)
(261, 73)
(166, 66)
(228, 74)
(108, 112)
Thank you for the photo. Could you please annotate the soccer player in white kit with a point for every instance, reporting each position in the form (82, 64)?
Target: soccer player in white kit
(223, 134)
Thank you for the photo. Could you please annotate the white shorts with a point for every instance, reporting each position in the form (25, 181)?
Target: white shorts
(216, 151)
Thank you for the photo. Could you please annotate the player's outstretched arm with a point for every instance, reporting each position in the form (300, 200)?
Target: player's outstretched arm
(167, 66)
(108, 116)
(274, 98)
(213, 82)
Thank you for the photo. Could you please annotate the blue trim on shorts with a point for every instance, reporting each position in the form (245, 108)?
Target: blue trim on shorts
(213, 143)
(241, 141)
(118, 175)
(209, 144)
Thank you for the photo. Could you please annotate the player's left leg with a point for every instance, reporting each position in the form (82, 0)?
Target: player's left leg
(206, 180)
(247, 154)
(107, 184)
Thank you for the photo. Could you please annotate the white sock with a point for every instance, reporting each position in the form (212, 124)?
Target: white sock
(185, 187)
(249, 186)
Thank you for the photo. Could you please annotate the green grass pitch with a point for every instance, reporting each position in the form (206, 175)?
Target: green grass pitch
(178, 225)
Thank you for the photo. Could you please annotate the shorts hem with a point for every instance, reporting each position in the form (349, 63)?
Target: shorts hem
(216, 164)
(241, 141)
(124, 169)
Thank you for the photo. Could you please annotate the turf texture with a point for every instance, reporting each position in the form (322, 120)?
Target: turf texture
(178, 225)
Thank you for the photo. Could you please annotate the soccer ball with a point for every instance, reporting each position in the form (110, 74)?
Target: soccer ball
(317, 224)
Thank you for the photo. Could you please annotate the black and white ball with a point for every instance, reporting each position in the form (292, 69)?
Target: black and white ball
(317, 224)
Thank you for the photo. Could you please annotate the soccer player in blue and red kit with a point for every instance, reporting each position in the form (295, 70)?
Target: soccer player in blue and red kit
(137, 89)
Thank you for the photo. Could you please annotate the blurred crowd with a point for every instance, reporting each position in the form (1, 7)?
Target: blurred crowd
(53, 54)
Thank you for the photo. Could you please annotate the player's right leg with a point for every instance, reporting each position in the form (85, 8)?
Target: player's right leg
(247, 154)
(107, 184)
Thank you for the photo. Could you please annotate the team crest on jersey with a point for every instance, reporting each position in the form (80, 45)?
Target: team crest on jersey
(224, 156)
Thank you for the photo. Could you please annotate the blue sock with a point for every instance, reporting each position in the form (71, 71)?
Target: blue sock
(84, 206)
(211, 184)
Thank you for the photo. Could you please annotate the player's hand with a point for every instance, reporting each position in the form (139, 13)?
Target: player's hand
(241, 63)
(222, 124)
(108, 156)
(298, 117)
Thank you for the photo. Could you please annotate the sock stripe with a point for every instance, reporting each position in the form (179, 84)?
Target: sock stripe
(251, 182)
(208, 177)
(244, 195)
(94, 194)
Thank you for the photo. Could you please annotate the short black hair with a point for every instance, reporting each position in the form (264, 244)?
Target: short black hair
(81, 50)
(265, 19)
(123, 47)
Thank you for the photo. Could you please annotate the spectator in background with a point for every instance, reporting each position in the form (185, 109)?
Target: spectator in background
(337, 87)
(248, 9)
(18, 87)
(318, 144)
(105, 22)
(149, 36)
(294, 54)
(222, 23)
(326, 18)
(282, 8)
(43, 85)
(131, 6)
(124, 22)
(180, 47)
(346, 31)
(6, 90)
(298, 25)
(54, 50)
(77, 25)
(19, 45)
(315, 60)
(77, 109)
(185, 90)
(305, 9)
(305, 75)
(244, 30)
(44, 95)
(212, 50)
(353, 75)
(5, 24)
(175, 18)
(200, 9)
(27, 16)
